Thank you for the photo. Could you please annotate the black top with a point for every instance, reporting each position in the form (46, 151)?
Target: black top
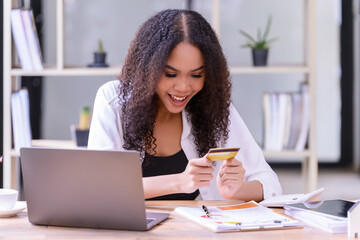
(155, 166)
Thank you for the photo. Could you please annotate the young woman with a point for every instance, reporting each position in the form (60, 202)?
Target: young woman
(172, 104)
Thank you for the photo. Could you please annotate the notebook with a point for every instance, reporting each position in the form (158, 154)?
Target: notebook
(85, 188)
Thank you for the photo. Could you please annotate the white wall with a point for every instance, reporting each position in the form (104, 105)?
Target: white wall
(116, 22)
(328, 79)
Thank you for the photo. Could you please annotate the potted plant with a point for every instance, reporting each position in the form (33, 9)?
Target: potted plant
(99, 56)
(80, 133)
(260, 45)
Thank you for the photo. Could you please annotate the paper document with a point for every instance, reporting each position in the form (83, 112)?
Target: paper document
(242, 217)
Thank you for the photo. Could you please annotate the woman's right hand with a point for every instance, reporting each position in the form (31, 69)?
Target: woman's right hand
(198, 173)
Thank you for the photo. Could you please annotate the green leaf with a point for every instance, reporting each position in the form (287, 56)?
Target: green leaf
(267, 29)
(248, 36)
(248, 45)
(259, 35)
(100, 46)
(260, 42)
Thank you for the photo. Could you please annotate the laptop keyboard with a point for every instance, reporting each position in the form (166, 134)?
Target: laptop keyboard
(148, 220)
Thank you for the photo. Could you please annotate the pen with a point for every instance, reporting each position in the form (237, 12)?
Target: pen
(206, 210)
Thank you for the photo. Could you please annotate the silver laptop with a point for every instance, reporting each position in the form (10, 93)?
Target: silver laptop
(85, 188)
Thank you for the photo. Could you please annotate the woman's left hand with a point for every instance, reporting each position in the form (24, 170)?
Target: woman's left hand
(230, 178)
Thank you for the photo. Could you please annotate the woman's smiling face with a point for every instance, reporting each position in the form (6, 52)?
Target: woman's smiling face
(183, 77)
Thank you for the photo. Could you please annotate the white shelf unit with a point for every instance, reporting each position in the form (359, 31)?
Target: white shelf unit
(12, 75)
(309, 156)
(68, 71)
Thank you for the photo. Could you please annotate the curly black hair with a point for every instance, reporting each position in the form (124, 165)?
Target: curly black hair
(145, 62)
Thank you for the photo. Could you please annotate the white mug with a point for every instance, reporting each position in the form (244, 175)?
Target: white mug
(8, 198)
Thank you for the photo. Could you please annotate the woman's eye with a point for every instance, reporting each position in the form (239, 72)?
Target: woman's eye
(197, 75)
(170, 75)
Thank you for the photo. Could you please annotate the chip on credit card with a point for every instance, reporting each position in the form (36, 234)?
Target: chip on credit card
(220, 154)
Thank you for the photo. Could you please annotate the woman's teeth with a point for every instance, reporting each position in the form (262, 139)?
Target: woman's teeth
(177, 99)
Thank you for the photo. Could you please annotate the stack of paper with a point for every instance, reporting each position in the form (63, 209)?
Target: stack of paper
(330, 215)
(326, 223)
(242, 217)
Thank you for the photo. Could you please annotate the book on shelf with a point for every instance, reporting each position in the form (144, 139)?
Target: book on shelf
(305, 118)
(274, 116)
(19, 36)
(267, 121)
(26, 39)
(20, 112)
(286, 118)
(32, 38)
(295, 120)
(247, 216)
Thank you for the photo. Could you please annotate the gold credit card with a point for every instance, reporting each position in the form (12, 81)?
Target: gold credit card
(220, 154)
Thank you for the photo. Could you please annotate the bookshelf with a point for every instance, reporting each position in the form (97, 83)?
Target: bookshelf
(13, 74)
(68, 71)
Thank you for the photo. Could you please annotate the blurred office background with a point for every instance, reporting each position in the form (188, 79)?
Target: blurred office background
(56, 100)
(115, 22)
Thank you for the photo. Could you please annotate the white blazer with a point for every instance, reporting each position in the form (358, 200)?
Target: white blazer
(106, 133)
